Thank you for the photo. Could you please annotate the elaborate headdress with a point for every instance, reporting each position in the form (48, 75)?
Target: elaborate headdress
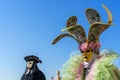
(77, 32)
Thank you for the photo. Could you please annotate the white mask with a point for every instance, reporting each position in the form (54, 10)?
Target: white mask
(29, 64)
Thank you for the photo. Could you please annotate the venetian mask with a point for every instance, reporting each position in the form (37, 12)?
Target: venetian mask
(88, 54)
(29, 64)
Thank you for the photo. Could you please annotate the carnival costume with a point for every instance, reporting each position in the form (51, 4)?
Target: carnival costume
(91, 64)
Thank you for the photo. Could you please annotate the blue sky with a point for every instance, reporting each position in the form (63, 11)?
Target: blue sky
(29, 26)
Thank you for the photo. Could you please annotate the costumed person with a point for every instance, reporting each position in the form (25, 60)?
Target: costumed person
(32, 71)
(91, 64)
(58, 75)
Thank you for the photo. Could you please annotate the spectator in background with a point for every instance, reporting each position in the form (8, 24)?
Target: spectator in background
(32, 71)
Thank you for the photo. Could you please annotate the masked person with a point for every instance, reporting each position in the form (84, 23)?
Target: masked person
(32, 71)
(91, 64)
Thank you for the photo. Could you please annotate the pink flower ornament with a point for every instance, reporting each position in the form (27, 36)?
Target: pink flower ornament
(83, 46)
(92, 45)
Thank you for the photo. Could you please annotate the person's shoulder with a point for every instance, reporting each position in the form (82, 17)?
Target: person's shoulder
(39, 72)
(39, 75)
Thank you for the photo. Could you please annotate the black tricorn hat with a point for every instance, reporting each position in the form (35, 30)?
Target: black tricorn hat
(32, 58)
